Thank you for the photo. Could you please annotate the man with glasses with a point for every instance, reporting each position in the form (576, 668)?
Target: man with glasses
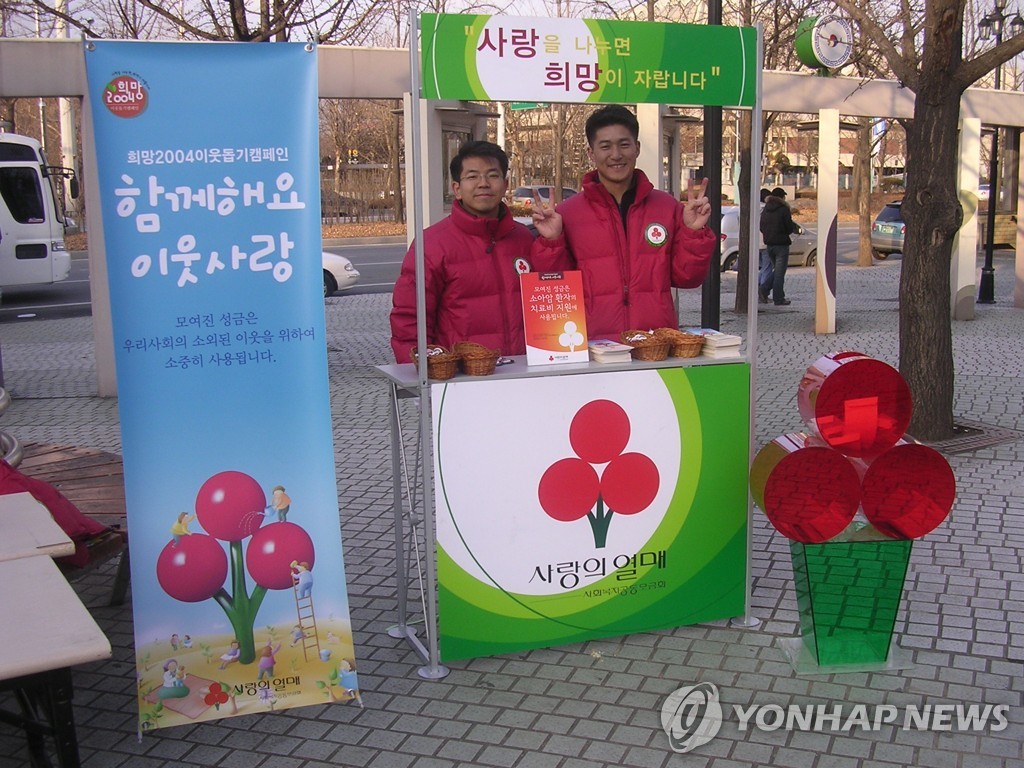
(472, 261)
(632, 242)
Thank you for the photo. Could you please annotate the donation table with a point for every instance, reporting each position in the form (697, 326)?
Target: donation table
(44, 628)
(578, 501)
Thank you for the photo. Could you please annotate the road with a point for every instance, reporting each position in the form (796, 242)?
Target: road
(378, 265)
(68, 298)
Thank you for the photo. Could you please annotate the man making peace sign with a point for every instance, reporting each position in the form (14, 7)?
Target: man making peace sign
(632, 242)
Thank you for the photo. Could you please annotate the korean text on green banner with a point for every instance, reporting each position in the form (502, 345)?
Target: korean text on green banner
(211, 217)
(505, 58)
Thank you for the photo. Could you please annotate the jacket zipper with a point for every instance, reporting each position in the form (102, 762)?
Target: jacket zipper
(503, 294)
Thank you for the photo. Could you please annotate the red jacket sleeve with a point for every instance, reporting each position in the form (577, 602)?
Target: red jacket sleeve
(691, 254)
(403, 305)
(551, 255)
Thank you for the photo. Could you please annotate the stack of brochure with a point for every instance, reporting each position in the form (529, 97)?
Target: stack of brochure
(608, 351)
(716, 343)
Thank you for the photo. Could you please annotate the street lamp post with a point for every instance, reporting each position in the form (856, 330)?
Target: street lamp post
(991, 24)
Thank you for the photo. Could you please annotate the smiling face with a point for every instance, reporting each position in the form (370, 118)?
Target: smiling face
(614, 152)
(481, 187)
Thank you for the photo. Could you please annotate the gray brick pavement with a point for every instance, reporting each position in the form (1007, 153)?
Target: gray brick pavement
(597, 704)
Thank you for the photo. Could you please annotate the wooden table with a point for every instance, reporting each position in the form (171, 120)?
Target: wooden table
(44, 630)
(27, 529)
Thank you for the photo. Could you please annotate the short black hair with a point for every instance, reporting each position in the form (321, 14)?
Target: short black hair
(613, 114)
(779, 192)
(764, 193)
(477, 149)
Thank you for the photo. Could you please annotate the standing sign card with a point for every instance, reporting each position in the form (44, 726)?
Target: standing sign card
(554, 318)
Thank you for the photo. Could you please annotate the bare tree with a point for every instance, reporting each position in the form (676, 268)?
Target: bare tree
(861, 192)
(925, 52)
(330, 21)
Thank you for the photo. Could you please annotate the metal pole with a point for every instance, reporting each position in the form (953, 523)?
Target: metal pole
(987, 286)
(433, 670)
(711, 291)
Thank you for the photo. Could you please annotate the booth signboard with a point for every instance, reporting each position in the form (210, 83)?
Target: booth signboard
(554, 318)
(507, 58)
(586, 506)
(211, 220)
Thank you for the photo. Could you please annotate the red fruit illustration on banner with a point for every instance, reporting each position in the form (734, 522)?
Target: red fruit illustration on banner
(571, 488)
(193, 569)
(599, 431)
(629, 483)
(273, 549)
(230, 506)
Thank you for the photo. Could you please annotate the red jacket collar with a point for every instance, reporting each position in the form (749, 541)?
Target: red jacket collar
(595, 191)
(486, 228)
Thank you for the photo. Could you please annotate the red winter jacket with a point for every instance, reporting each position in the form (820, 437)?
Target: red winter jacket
(471, 281)
(627, 274)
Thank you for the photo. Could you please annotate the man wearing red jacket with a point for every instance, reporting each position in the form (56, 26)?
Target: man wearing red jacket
(632, 242)
(472, 262)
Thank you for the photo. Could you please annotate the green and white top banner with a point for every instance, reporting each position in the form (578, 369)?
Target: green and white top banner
(506, 58)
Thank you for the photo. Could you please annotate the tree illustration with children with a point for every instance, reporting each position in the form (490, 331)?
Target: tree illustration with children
(230, 506)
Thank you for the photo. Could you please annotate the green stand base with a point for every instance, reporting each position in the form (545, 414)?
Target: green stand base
(802, 658)
(848, 593)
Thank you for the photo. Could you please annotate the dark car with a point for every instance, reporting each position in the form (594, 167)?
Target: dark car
(888, 230)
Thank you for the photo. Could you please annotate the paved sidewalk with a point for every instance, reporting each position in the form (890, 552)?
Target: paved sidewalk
(598, 703)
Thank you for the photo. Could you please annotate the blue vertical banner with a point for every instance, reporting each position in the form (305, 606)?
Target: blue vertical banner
(209, 180)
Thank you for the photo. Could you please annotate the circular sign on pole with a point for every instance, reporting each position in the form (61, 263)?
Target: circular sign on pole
(824, 42)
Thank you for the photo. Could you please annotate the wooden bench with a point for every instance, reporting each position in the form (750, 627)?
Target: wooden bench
(92, 480)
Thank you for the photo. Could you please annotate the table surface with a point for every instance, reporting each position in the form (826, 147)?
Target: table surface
(27, 529)
(405, 375)
(43, 624)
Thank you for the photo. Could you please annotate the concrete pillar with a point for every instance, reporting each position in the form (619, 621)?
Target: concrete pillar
(102, 324)
(828, 217)
(1018, 262)
(963, 287)
(649, 161)
(437, 117)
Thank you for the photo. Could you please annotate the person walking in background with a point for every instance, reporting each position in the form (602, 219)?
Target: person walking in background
(765, 271)
(776, 227)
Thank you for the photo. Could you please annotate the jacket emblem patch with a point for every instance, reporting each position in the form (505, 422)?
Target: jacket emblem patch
(656, 234)
(522, 266)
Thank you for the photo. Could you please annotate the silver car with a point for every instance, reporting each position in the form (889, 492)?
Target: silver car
(888, 230)
(802, 253)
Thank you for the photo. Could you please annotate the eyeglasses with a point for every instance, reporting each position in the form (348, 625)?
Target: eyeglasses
(492, 177)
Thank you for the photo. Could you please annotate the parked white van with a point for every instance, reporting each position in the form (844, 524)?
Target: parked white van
(31, 217)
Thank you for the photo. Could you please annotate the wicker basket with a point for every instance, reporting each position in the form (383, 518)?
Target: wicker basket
(477, 360)
(683, 344)
(646, 345)
(441, 364)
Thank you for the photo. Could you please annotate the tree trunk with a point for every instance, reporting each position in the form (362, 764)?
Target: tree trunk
(862, 190)
(559, 163)
(395, 160)
(933, 215)
(746, 206)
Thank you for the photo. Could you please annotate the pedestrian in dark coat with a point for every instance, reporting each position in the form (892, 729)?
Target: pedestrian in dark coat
(776, 227)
